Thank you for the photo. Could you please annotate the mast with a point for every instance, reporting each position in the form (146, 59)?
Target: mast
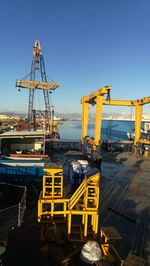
(38, 65)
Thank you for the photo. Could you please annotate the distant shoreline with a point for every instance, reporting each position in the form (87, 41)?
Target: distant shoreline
(109, 119)
(123, 119)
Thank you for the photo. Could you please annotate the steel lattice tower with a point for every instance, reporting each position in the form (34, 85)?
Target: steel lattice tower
(38, 66)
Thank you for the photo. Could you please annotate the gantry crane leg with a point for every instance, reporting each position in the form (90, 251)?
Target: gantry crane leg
(138, 119)
(85, 108)
(98, 118)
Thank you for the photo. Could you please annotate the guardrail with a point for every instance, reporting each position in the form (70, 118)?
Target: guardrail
(13, 215)
(63, 145)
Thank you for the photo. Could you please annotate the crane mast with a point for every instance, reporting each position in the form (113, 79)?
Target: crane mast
(38, 66)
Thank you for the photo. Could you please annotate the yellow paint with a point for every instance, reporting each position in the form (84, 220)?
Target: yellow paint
(85, 107)
(84, 202)
(98, 118)
(97, 98)
(138, 121)
(32, 84)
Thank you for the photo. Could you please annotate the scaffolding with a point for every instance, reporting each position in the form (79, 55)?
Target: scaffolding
(83, 203)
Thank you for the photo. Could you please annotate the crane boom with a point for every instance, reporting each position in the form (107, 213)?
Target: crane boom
(40, 85)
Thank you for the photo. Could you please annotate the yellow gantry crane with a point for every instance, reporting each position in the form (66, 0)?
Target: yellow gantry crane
(97, 98)
(91, 147)
(138, 104)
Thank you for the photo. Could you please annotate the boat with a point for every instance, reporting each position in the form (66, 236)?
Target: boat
(145, 132)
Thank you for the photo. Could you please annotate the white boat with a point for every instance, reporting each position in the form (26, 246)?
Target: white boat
(57, 118)
(145, 132)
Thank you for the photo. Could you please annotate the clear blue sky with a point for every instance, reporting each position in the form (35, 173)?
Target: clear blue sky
(87, 44)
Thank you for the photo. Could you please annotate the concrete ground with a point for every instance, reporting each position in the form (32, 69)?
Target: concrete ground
(125, 200)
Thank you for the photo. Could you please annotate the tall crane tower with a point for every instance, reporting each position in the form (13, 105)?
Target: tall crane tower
(31, 84)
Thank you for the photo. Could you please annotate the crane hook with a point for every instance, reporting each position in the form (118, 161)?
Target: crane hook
(108, 98)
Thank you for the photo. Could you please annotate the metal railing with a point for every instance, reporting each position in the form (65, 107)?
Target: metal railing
(13, 215)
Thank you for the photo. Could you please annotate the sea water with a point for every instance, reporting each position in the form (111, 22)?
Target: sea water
(69, 130)
(111, 129)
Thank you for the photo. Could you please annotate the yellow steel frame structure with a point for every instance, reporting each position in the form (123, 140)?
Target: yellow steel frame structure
(52, 192)
(31, 84)
(138, 104)
(97, 97)
(108, 249)
(53, 183)
(84, 202)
